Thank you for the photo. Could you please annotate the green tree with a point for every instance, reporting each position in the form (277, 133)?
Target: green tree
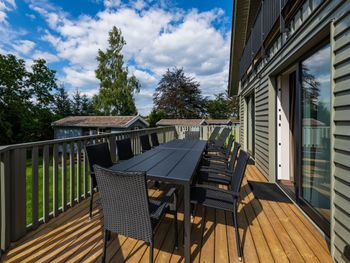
(222, 106)
(86, 106)
(14, 99)
(26, 100)
(63, 105)
(77, 102)
(155, 116)
(116, 87)
(178, 96)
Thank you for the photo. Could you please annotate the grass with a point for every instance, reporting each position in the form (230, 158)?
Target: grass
(29, 177)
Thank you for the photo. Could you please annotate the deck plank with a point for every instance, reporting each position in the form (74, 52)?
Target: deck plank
(271, 231)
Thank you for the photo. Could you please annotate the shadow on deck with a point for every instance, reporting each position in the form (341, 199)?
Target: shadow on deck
(272, 229)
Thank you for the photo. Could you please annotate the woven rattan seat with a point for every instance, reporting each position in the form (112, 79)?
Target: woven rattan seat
(127, 209)
(145, 144)
(154, 139)
(97, 154)
(211, 196)
(124, 149)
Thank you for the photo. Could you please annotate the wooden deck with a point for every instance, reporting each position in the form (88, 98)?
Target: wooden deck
(271, 231)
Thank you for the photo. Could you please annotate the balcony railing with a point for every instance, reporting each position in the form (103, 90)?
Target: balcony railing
(39, 180)
(268, 14)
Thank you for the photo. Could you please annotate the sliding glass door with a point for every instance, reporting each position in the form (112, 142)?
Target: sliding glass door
(303, 134)
(316, 124)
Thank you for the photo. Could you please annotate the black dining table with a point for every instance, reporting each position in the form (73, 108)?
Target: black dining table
(173, 162)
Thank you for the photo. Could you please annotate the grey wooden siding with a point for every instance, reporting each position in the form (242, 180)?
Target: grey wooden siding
(341, 67)
(262, 126)
(307, 32)
(241, 118)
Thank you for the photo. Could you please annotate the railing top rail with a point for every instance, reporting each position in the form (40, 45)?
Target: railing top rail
(79, 138)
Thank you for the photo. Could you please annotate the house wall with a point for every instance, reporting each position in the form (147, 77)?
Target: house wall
(331, 19)
(66, 132)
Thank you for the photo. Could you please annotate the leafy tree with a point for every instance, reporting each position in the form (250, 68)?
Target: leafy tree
(86, 106)
(218, 108)
(222, 106)
(155, 116)
(77, 102)
(116, 87)
(43, 82)
(233, 103)
(63, 105)
(14, 98)
(25, 100)
(178, 96)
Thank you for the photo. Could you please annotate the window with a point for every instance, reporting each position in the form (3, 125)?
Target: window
(315, 109)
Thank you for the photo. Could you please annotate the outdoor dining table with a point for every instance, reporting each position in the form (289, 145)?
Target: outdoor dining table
(173, 162)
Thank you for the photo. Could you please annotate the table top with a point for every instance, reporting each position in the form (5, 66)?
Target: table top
(175, 161)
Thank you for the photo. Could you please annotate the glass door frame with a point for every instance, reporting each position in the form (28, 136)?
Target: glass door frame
(319, 220)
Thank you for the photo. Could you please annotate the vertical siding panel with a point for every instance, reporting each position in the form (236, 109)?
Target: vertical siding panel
(341, 106)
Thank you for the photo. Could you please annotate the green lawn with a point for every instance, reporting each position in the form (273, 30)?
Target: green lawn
(40, 185)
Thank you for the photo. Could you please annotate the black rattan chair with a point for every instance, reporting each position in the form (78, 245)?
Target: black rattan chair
(211, 196)
(212, 156)
(145, 145)
(219, 173)
(192, 135)
(218, 146)
(154, 139)
(127, 210)
(97, 154)
(124, 149)
(213, 135)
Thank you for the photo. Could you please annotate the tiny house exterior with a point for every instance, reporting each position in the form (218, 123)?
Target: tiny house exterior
(290, 68)
(75, 126)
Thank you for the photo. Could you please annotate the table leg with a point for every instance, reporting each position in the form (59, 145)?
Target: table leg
(187, 223)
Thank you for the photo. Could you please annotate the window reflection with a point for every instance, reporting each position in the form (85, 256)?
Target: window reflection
(316, 130)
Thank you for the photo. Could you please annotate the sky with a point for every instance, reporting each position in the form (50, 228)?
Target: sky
(160, 34)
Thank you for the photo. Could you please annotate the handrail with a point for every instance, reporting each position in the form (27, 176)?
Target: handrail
(60, 162)
(73, 139)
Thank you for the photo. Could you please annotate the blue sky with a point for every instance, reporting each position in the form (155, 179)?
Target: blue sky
(160, 34)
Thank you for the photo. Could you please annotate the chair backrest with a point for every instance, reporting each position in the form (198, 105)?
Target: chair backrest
(213, 135)
(124, 149)
(192, 135)
(229, 146)
(231, 164)
(125, 203)
(145, 145)
(239, 171)
(154, 139)
(98, 154)
(222, 137)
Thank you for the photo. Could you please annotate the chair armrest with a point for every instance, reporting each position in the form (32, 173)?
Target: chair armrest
(216, 158)
(172, 193)
(216, 150)
(214, 188)
(213, 170)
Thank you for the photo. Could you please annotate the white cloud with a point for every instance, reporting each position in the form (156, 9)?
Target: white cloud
(49, 57)
(157, 38)
(23, 46)
(6, 6)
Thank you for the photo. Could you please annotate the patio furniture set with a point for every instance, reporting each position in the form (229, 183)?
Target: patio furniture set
(196, 165)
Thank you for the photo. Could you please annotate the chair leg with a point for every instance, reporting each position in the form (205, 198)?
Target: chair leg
(175, 222)
(151, 252)
(105, 237)
(108, 235)
(91, 202)
(238, 241)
